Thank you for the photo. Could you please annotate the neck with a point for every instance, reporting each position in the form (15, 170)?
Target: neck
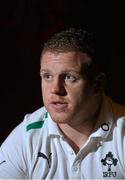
(78, 135)
(78, 131)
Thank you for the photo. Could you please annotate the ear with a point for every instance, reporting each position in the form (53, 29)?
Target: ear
(99, 83)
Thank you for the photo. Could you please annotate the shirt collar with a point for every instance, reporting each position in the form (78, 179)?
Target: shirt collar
(53, 129)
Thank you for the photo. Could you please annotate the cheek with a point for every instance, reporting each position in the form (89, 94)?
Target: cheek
(80, 94)
(44, 87)
(75, 95)
(44, 92)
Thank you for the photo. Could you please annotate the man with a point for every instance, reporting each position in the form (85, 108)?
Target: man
(79, 133)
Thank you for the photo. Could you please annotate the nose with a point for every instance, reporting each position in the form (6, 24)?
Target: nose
(58, 87)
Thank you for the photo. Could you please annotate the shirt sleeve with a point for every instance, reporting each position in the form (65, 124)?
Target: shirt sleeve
(13, 155)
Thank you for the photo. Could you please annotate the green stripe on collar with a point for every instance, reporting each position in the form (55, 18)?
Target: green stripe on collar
(35, 125)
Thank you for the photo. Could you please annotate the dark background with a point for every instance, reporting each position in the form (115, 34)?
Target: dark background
(26, 24)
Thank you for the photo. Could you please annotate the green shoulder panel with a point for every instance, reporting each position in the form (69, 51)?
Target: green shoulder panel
(35, 125)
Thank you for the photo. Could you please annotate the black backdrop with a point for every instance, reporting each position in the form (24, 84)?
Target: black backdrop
(26, 24)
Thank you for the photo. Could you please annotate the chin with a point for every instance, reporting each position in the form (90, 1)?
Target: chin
(59, 117)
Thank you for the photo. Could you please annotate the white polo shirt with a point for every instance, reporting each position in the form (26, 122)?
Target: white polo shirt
(36, 149)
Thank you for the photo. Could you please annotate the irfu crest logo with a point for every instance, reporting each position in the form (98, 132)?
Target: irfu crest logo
(109, 161)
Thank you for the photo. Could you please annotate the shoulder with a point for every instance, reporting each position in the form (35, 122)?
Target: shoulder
(35, 120)
(18, 149)
(35, 128)
(118, 110)
(115, 113)
(22, 141)
(30, 123)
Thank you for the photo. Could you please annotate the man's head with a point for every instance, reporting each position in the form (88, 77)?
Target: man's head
(78, 40)
(71, 79)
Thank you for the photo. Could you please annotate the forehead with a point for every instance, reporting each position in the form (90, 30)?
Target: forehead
(64, 59)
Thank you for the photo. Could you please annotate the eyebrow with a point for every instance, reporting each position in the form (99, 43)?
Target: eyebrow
(43, 70)
(66, 71)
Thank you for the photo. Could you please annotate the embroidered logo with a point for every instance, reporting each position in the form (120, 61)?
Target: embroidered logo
(109, 161)
(45, 157)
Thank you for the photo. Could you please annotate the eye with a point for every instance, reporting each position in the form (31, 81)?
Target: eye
(47, 76)
(70, 77)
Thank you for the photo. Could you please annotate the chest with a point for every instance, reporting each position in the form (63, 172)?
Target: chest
(94, 161)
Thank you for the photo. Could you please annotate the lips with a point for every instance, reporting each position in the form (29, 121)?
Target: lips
(59, 106)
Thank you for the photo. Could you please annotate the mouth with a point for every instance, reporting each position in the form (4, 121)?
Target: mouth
(59, 106)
